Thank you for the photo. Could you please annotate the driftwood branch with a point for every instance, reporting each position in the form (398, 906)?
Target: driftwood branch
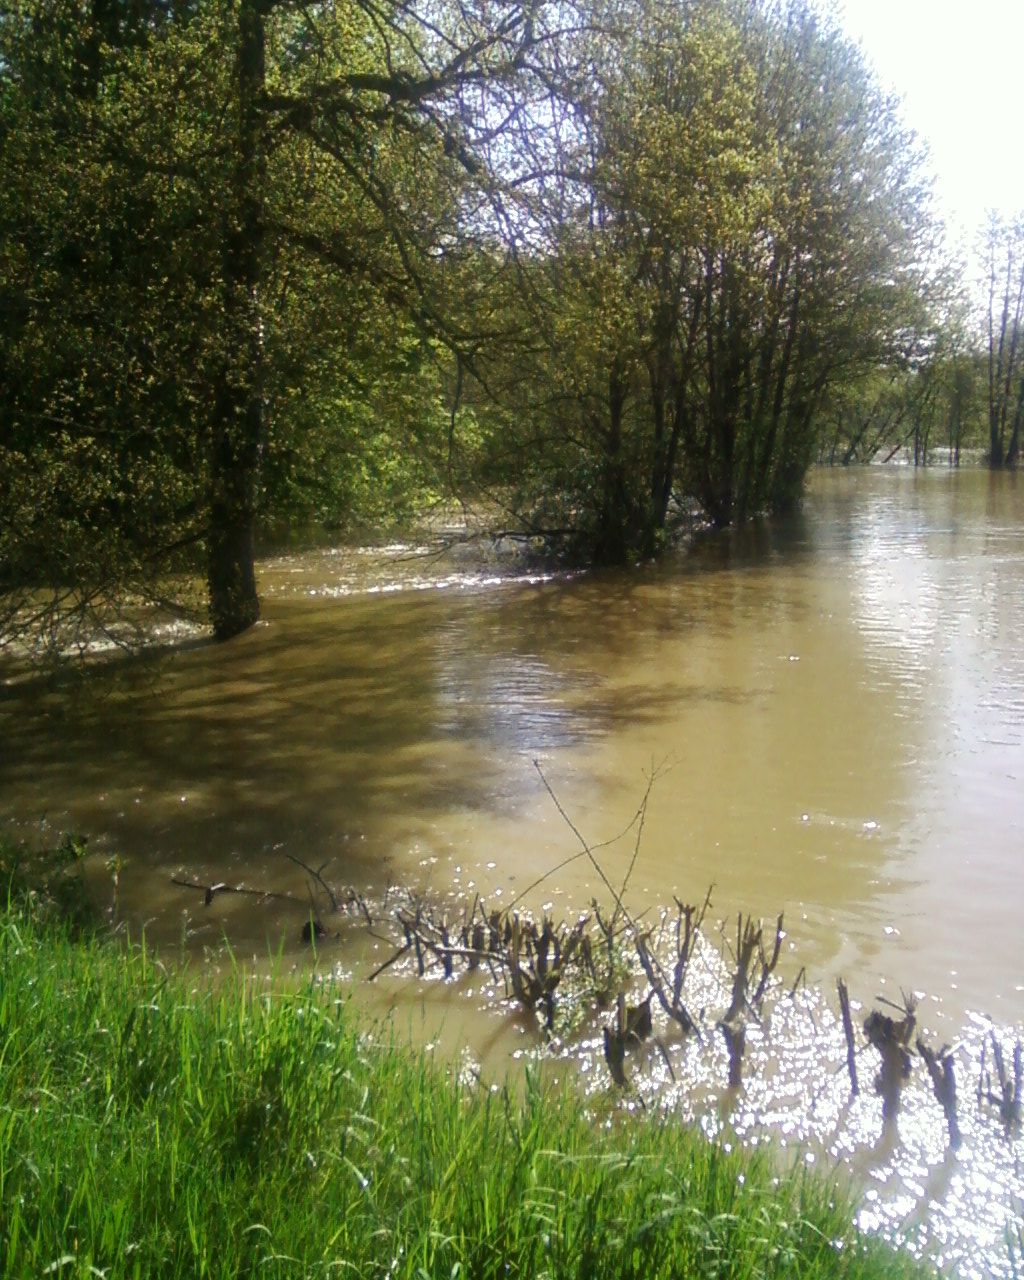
(312, 928)
(210, 891)
(317, 876)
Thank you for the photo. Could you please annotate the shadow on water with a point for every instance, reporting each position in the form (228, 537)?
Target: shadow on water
(235, 749)
(754, 545)
(339, 729)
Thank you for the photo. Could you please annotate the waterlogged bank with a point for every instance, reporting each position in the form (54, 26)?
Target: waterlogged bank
(153, 1129)
(648, 1013)
(646, 1016)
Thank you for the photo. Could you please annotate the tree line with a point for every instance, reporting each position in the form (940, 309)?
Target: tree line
(603, 262)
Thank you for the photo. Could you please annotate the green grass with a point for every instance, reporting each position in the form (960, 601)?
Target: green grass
(149, 1128)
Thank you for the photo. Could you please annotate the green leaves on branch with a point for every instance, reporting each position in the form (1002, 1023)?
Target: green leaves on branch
(261, 264)
(740, 228)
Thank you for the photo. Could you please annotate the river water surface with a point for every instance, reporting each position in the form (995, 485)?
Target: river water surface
(832, 707)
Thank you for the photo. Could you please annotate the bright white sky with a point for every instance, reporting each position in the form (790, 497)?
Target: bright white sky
(960, 71)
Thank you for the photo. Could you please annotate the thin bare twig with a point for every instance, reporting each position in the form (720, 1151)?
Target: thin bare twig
(210, 891)
(317, 876)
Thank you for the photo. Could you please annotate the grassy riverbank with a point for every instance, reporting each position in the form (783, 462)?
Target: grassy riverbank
(151, 1128)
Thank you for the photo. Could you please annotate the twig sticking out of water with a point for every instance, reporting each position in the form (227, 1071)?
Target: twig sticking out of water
(312, 927)
(609, 974)
(754, 968)
(851, 1044)
(316, 875)
(891, 1037)
(587, 850)
(688, 923)
(615, 1056)
(537, 960)
(633, 1025)
(615, 1039)
(210, 891)
(940, 1071)
(1008, 1100)
(533, 959)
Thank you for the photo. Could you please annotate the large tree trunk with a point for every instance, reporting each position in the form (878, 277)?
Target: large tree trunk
(237, 429)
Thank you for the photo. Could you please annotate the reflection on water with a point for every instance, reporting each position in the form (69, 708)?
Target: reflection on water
(833, 706)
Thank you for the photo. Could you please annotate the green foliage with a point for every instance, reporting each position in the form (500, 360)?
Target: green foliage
(252, 255)
(938, 404)
(152, 1127)
(99, 470)
(356, 438)
(218, 263)
(739, 229)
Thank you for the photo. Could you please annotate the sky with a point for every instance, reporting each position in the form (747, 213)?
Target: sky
(959, 68)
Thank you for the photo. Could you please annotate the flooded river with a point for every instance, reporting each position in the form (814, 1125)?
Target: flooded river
(832, 709)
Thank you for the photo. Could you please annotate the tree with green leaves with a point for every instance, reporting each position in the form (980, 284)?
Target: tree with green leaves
(101, 470)
(179, 181)
(740, 226)
(912, 407)
(237, 235)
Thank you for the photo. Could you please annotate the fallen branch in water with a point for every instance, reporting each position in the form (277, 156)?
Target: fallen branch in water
(210, 891)
(310, 931)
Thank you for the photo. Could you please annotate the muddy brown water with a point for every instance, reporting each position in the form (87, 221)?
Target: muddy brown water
(832, 706)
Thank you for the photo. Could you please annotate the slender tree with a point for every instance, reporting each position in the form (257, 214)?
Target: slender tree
(1003, 244)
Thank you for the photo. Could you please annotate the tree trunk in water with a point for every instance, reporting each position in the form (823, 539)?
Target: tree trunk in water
(231, 570)
(1012, 454)
(612, 536)
(995, 440)
(237, 432)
